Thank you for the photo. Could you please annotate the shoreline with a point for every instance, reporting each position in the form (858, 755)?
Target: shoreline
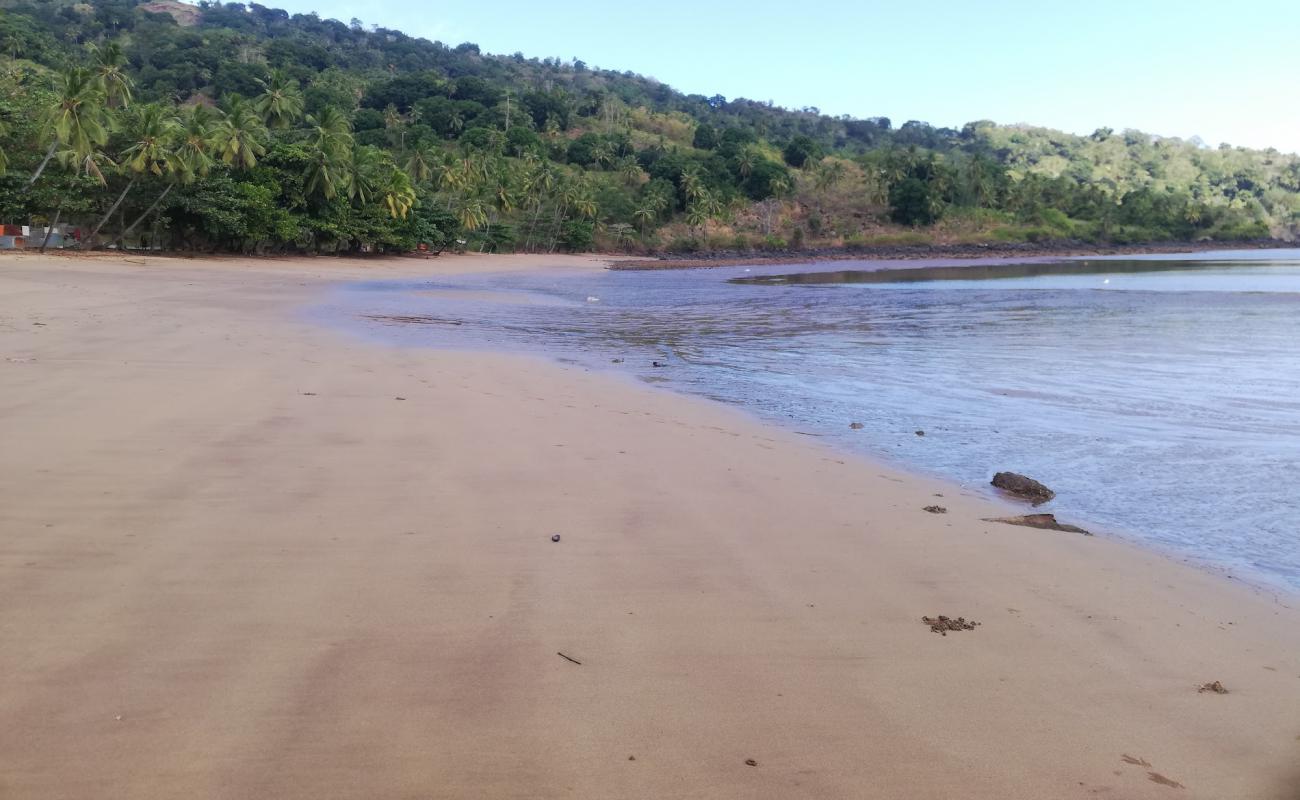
(1045, 250)
(249, 554)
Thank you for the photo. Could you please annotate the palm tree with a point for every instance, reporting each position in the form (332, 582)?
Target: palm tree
(456, 121)
(630, 170)
(280, 104)
(746, 160)
(151, 131)
(396, 127)
(196, 140)
(76, 122)
(422, 165)
(472, 214)
(110, 74)
(692, 186)
(696, 216)
(205, 136)
(239, 135)
(4, 162)
(397, 193)
(331, 153)
(645, 214)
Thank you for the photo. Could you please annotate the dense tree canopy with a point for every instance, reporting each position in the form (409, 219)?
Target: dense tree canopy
(242, 127)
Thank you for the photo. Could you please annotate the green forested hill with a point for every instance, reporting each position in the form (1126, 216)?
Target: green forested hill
(242, 127)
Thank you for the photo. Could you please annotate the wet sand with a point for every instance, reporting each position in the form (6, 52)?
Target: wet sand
(242, 555)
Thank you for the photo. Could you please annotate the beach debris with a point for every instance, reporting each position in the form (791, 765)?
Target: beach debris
(855, 426)
(751, 762)
(935, 509)
(920, 432)
(1045, 522)
(567, 658)
(1156, 777)
(1136, 761)
(399, 398)
(616, 360)
(1023, 487)
(942, 624)
(631, 758)
(1216, 687)
(308, 394)
(555, 537)
(658, 364)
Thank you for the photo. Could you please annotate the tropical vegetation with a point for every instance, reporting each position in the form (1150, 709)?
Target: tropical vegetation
(239, 127)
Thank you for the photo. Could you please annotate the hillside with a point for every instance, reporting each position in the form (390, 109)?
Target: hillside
(242, 127)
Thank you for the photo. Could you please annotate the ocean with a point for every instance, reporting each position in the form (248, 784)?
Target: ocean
(1159, 396)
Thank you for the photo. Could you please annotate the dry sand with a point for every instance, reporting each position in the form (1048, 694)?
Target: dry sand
(234, 565)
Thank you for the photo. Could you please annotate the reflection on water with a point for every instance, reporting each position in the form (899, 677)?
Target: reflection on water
(1160, 398)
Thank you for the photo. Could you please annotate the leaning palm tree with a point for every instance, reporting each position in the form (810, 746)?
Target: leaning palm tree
(203, 137)
(280, 103)
(239, 135)
(151, 135)
(76, 122)
(91, 164)
(110, 74)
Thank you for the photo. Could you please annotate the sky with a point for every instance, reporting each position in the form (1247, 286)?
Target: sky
(1223, 70)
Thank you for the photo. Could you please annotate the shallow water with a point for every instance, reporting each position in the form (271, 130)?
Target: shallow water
(1159, 396)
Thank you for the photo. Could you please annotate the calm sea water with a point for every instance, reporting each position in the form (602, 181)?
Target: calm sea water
(1159, 396)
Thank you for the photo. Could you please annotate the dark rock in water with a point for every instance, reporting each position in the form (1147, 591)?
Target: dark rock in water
(857, 426)
(657, 364)
(920, 433)
(617, 360)
(935, 509)
(1045, 522)
(1023, 487)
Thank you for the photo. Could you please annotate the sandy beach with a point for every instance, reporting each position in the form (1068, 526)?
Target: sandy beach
(243, 555)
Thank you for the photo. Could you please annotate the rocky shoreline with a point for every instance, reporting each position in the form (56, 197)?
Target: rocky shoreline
(1054, 249)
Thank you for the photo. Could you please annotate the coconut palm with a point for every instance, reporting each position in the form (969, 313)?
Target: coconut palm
(472, 214)
(110, 74)
(151, 132)
(397, 193)
(239, 134)
(630, 170)
(422, 164)
(196, 140)
(644, 214)
(692, 185)
(76, 122)
(746, 160)
(331, 154)
(205, 136)
(281, 103)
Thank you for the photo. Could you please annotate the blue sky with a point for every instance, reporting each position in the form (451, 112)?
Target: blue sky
(1226, 70)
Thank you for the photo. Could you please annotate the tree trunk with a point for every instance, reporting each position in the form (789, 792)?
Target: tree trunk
(121, 237)
(48, 155)
(120, 198)
(49, 231)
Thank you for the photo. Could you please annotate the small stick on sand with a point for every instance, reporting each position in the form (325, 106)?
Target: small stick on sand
(566, 658)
